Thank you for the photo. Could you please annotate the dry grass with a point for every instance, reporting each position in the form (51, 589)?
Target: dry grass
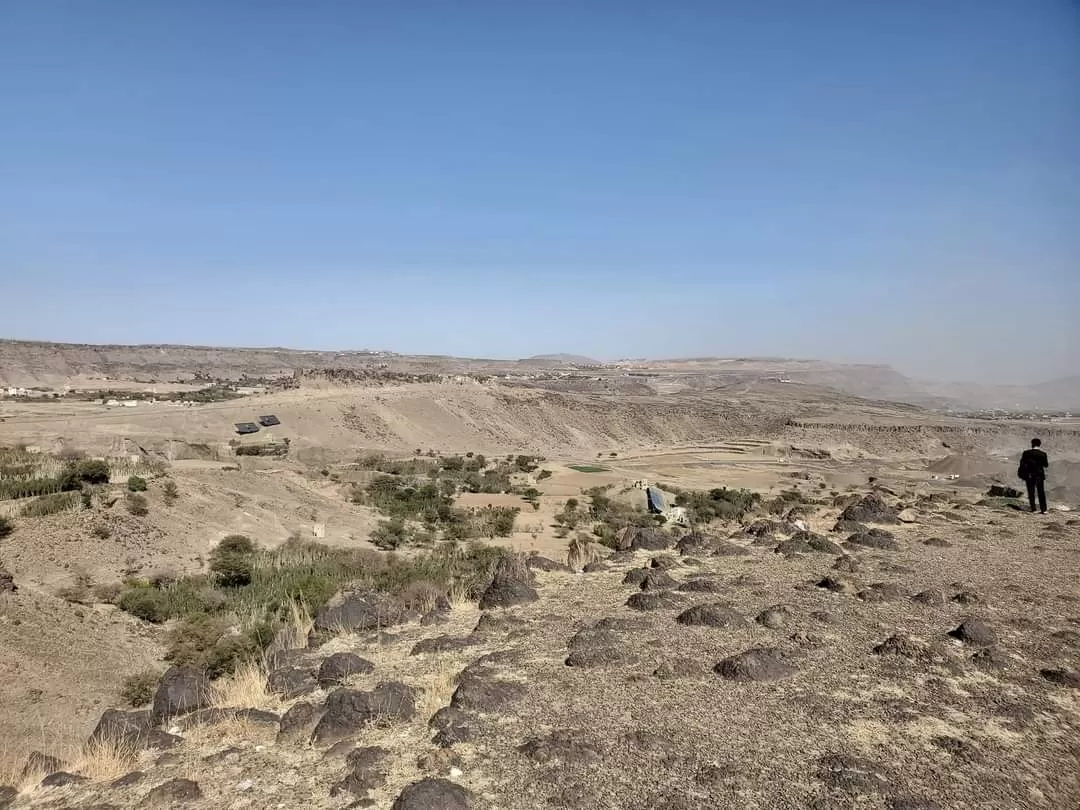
(230, 731)
(245, 688)
(106, 760)
(435, 688)
(581, 553)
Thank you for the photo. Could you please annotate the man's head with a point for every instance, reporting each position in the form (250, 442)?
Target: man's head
(1036, 442)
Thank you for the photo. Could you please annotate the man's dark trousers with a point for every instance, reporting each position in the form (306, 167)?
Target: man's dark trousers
(1037, 486)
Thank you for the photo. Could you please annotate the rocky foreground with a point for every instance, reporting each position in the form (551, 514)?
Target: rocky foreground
(842, 661)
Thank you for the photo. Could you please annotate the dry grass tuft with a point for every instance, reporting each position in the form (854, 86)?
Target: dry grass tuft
(106, 760)
(582, 552)
(435, 689)
(245, 688)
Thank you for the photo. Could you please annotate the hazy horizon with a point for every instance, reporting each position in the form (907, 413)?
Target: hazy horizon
(850, 182)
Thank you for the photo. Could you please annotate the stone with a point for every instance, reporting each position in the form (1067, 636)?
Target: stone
(441, 644)
(62, 779)
(725, 549)
(175, 791)
(967, 598)
(440, 761)
(451, 726)
(127, 780)
(359, 611)
(907, 516)
(911, 803)
(366, 772)
(714, 614)
(180, 692)
(1062, 677)
(875, 538)
(7, 582)
(512, 584)
(594, 647)
(850, 775)
(596, 567)
(538, 563)
(701, 585)
(341, 666)
(803, 542)
(291, 682)
(881, 592)
(635, 538)
(937, 542)
(761, 664)
(761, 528)
(975, 632)
(870, 509)
(653, 600)
(664, 562)
(491, 623)
(214, 715)
(847, 564)
(838, 584)
(657, 581)
(932, 596)
(990, 658)
(131, 730)
(40, 763)
(635, 576)
(849, 527)
(697, 543)
(433, 794)
(998, 491)
(299, 721)
(348, 711)
(774, 617)
(902, 646)
(480, 692)
(565, 746)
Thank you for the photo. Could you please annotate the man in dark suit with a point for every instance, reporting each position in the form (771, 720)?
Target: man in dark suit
(1033, 464)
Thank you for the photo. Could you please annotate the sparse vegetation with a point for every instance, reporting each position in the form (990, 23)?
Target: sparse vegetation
(298, 576)
(170, 492)
(589, 468)
(51, 504)
(136, 504)
(717, 504)
(7, 528)
(138, 689)
(263, 449)
(136, 484)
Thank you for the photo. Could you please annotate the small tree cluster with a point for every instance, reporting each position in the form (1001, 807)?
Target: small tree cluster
(232, 561)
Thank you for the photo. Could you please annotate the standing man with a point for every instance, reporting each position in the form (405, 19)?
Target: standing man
(1033, 464)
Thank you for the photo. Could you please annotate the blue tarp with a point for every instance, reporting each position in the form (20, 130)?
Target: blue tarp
(656, 500)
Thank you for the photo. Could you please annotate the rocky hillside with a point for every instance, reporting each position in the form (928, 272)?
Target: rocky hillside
(904, 654)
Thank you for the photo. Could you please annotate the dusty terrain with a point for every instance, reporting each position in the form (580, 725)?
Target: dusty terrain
(647, 723)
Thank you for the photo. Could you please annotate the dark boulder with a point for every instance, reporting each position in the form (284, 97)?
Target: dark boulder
(348, 711)
(594, 647)
(679, 668)
(299, 721)
(774, 617)
(635, 538)
(181, 691)
(366, 772)
(657, 581)
(62, 779)
(875, 538)
(481, 692)
(441, 644)
(565, 746)
(975, 632)
(653, 600)
(847, 564)
(931, 596)
(998, 491)
(7, 582)
(538, 563)
(937, 542)
(756, 664)
(635, 576)
(512, 584)
(339, 667)
(838, 584)
(131, 730)
(881, 592)
(360, 611)
(432, 794)
(175, 791)
(715, 614)
(291, 682)
(664, 562)
(870, 509)
(697, 543)
(849, 527)
(702, 585)
(1062, 677)
(596, 567)
(451, 726)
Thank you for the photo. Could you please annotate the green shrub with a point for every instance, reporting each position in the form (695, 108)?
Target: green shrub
(101, 531)
(263, 449)
(543, 474)
(15, 488)
(146, 603)
(232, 570)
(136, 484)
(6, 527)
(51, 504)
(170, 492)
(77, 473)
(717, 504)
(236, 544)
(390, 534)
(139, 689)
(136, 504)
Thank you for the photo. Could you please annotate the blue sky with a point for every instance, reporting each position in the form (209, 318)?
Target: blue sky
(888, 181)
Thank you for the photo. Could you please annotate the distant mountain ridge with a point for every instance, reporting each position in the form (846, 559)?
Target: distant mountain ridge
(30, 363)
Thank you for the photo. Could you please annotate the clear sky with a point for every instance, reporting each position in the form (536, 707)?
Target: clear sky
(869, 181)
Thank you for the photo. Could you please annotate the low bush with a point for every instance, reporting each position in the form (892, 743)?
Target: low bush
(717, 504)
(136, 504)
(139, 689)
(136, 484)
(169, 492)
(51, 504)
(101, 532)
(7, 528)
